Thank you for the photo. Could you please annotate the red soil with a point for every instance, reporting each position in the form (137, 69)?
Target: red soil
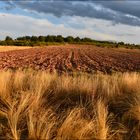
(72, 58)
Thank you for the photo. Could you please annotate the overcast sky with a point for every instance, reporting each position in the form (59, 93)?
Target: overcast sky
(117, 20)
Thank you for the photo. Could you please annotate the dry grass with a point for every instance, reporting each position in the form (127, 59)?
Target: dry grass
(39, 105)
(11, 48)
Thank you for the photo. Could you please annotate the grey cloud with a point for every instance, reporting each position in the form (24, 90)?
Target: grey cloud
(124, 6)
(9, 5)
(125, 34)
(125, 12)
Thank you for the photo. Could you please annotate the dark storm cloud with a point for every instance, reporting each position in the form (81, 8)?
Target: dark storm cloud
(127, 7)
(125, 34)
(8, 5)
(119, 11)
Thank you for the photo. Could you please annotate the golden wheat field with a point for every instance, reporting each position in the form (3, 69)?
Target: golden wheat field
(39, 105)
(11, 48)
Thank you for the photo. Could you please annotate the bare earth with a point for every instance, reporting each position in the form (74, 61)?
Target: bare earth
(72, 58)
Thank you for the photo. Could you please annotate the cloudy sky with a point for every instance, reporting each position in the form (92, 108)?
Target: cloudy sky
(117, 20)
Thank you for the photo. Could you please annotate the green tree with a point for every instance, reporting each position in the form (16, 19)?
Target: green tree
(59, 38)
(8, 38)
(34, 38)
(41, 38)
(69, 39)
(77, 39)
(121, 43)
(87, 39)
(49, 38)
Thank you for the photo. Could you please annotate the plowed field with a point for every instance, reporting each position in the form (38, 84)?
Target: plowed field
(72, 58)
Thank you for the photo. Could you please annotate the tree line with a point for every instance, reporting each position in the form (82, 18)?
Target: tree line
(54, 40)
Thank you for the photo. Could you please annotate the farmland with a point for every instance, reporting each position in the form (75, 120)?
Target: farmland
(70, 92)
(11, 48)
(71, 58)
(69, 70)
(39, 105)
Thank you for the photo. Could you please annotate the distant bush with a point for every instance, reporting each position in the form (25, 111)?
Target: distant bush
(54, 40)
